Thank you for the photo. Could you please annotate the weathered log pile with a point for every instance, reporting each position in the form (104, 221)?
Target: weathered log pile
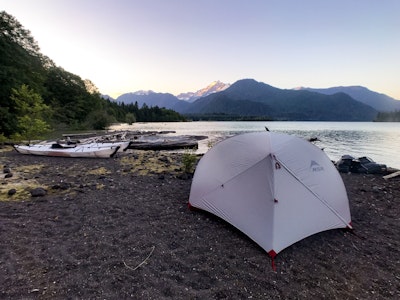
(140, 140)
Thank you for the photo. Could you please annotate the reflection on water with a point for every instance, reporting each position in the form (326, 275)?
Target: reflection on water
(380, 141)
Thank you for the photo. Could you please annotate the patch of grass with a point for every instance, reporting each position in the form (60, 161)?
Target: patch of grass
(29, 169)
(23, 188)
(99, 171)
(100, 186)
(20, 183)
(149, 162)
(22, 192)
(189, 160)
(5, 149)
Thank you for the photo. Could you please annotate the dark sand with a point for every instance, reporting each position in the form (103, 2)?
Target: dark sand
(113, 230)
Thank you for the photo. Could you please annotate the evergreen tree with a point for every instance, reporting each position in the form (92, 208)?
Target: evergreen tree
(31, 113)
(20, 63)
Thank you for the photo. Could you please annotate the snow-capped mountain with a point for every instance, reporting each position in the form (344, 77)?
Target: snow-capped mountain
(216, 86)
(143, 93)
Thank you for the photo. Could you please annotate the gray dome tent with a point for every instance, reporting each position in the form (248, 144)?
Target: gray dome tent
(276, 188)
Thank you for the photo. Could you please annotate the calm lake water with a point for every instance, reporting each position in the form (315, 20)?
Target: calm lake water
(379, 141)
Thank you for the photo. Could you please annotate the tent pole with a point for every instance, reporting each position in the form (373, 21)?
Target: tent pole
(315, 194)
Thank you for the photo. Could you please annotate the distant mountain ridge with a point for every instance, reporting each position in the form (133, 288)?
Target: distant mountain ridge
(168, 100)
(248, 97)
(151, 98)
(380, 102)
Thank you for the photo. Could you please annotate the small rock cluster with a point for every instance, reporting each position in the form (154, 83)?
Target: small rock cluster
(36, 192)
(7, 172)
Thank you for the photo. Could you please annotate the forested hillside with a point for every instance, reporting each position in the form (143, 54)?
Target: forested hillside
(248, 99)
(388, 116)
(36, 96)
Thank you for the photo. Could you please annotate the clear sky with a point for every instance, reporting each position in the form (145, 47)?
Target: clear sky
(179, 46)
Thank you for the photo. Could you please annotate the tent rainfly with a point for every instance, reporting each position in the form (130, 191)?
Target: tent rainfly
(276, 188)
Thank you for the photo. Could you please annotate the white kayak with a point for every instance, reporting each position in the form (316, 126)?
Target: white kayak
(100, 150)
(123, 146)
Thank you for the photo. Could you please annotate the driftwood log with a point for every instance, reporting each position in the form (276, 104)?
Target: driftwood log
(164, 145)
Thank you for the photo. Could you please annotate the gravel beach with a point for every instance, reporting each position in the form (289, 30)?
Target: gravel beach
(120, 228)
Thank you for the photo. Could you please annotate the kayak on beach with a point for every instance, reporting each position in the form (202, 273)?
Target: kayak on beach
(94, 150)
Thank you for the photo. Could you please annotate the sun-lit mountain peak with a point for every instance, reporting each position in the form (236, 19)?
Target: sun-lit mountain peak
(213, 87)
(143, 92)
